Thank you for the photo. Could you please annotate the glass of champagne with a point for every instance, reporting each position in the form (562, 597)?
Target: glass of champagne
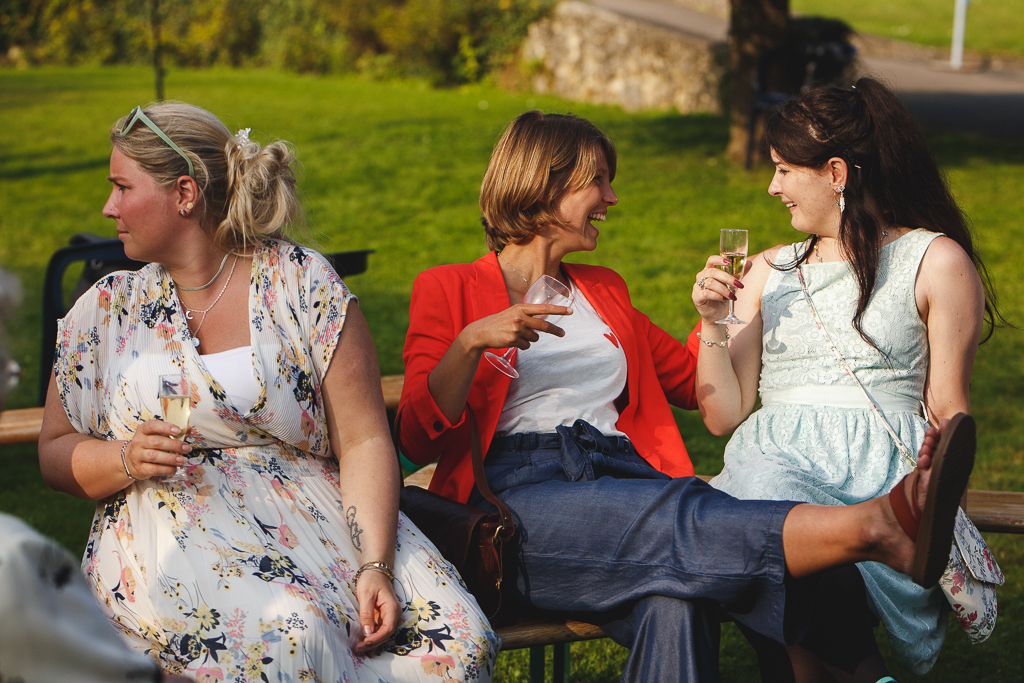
(176, 404)
(733, 246)
(546, 290)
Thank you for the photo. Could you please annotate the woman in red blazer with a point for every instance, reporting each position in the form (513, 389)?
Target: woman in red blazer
(583, 447)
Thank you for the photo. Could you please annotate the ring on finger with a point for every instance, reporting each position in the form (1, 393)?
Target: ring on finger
(700, 282)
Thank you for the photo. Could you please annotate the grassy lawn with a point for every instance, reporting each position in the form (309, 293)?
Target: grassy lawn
(994, 26)
(397, 167)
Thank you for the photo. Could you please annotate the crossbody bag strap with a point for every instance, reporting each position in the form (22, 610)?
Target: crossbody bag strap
(904, 451)
(508, 527)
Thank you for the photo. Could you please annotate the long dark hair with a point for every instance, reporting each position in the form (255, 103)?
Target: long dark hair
(892, 179)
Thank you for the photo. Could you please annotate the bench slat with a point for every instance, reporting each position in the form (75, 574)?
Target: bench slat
(20, 426)
(997, 511)
(534, 633)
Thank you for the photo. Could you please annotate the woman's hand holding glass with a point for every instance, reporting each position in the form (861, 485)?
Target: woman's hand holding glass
(546, 290)
(155, 450)
(714, 289)
(516, 327)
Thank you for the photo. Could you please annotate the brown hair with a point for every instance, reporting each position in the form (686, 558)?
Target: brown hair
(247, 191)
(538, 160)
(892, 179)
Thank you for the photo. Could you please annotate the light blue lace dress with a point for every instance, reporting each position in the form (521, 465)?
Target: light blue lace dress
(816, 439)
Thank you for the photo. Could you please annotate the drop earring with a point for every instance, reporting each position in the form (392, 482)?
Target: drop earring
(842, 200)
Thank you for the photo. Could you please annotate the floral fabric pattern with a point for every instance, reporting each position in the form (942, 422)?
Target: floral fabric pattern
(816, 439)
(970, 581)
(245, 573)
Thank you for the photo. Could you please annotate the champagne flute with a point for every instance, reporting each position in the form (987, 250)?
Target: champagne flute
(733, 245)
(176, 404)
(546, 290)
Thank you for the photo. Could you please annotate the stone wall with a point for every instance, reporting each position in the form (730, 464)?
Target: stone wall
(588, 54)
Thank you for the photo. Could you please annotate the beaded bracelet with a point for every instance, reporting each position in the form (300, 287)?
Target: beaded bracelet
(723, 344)
(124, 463)
(379, 566)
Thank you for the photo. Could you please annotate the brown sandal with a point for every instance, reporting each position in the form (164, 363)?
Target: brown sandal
(932, 529)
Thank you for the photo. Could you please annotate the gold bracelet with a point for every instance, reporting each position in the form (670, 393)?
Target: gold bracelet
(379, 566)
(723, 344)
(124, 462)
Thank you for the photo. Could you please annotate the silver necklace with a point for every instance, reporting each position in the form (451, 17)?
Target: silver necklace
(219, 271)
(189, 311)
(514, 269)
(885, 233)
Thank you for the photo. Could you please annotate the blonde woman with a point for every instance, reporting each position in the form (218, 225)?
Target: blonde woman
(278, 557)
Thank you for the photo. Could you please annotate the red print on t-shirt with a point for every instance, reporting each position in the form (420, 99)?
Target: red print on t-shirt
(612, 339)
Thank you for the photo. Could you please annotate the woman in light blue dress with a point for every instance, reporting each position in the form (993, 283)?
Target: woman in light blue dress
(889, 265)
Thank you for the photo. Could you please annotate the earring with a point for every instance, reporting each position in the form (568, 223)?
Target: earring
(842, 200)
(188, 207)
(181, 212)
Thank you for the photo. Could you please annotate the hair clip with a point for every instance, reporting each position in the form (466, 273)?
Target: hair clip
(243, 137)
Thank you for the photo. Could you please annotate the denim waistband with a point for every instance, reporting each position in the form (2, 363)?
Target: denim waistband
(581, 451)
(533, 441)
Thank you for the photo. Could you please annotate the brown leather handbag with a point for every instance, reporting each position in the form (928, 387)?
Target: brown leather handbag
(480, 545)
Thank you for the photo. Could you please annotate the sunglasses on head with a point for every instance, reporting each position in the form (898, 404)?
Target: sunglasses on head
(138, 115)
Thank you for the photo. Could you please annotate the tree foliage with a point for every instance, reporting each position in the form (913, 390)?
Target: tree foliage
(447, 41)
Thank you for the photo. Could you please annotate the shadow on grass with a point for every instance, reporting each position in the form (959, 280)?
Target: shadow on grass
(54, 169)
(992, 115)
(955, 148)
(672, 133)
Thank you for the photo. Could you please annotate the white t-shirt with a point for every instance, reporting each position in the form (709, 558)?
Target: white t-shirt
(564, 379)
(233, 371)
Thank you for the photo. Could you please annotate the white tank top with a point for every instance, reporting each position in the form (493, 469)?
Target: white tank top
(234, 373)
(564, 379)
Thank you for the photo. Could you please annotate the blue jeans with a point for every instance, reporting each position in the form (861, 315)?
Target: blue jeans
(600, 530)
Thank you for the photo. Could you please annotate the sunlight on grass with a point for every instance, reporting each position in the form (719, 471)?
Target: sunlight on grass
(992, 25)
(396, 167)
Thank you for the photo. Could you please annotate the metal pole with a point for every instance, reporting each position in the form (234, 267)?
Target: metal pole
(158, 58)
(956, 58)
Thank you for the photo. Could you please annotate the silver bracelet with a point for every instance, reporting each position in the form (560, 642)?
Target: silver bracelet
(723, 344)
(379, 566)
(124, 462)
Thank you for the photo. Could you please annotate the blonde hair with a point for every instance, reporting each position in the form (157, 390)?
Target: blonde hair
(247, 191)
(539, 159)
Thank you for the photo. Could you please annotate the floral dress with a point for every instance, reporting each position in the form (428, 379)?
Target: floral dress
(245, 573)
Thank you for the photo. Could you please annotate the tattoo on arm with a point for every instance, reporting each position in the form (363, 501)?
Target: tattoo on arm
(353, 529)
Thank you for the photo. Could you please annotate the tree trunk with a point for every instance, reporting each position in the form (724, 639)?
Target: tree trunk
(755, 28)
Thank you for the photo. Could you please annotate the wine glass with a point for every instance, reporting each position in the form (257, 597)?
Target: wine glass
(176, 404)
(733, 245)
(546, 290)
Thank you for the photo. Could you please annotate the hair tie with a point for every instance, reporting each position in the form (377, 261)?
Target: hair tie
(243, 137)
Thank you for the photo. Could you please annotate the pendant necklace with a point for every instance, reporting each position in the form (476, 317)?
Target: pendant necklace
(189, 311)
(514, 269)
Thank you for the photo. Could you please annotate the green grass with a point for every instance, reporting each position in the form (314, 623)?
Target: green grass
(993, 26)
(396, 167)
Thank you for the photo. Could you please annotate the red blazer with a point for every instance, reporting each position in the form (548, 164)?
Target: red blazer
(447, 298)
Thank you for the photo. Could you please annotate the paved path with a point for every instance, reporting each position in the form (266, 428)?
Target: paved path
(990, 103)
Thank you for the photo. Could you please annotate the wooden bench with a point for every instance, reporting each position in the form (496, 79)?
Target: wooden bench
(991, 511)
